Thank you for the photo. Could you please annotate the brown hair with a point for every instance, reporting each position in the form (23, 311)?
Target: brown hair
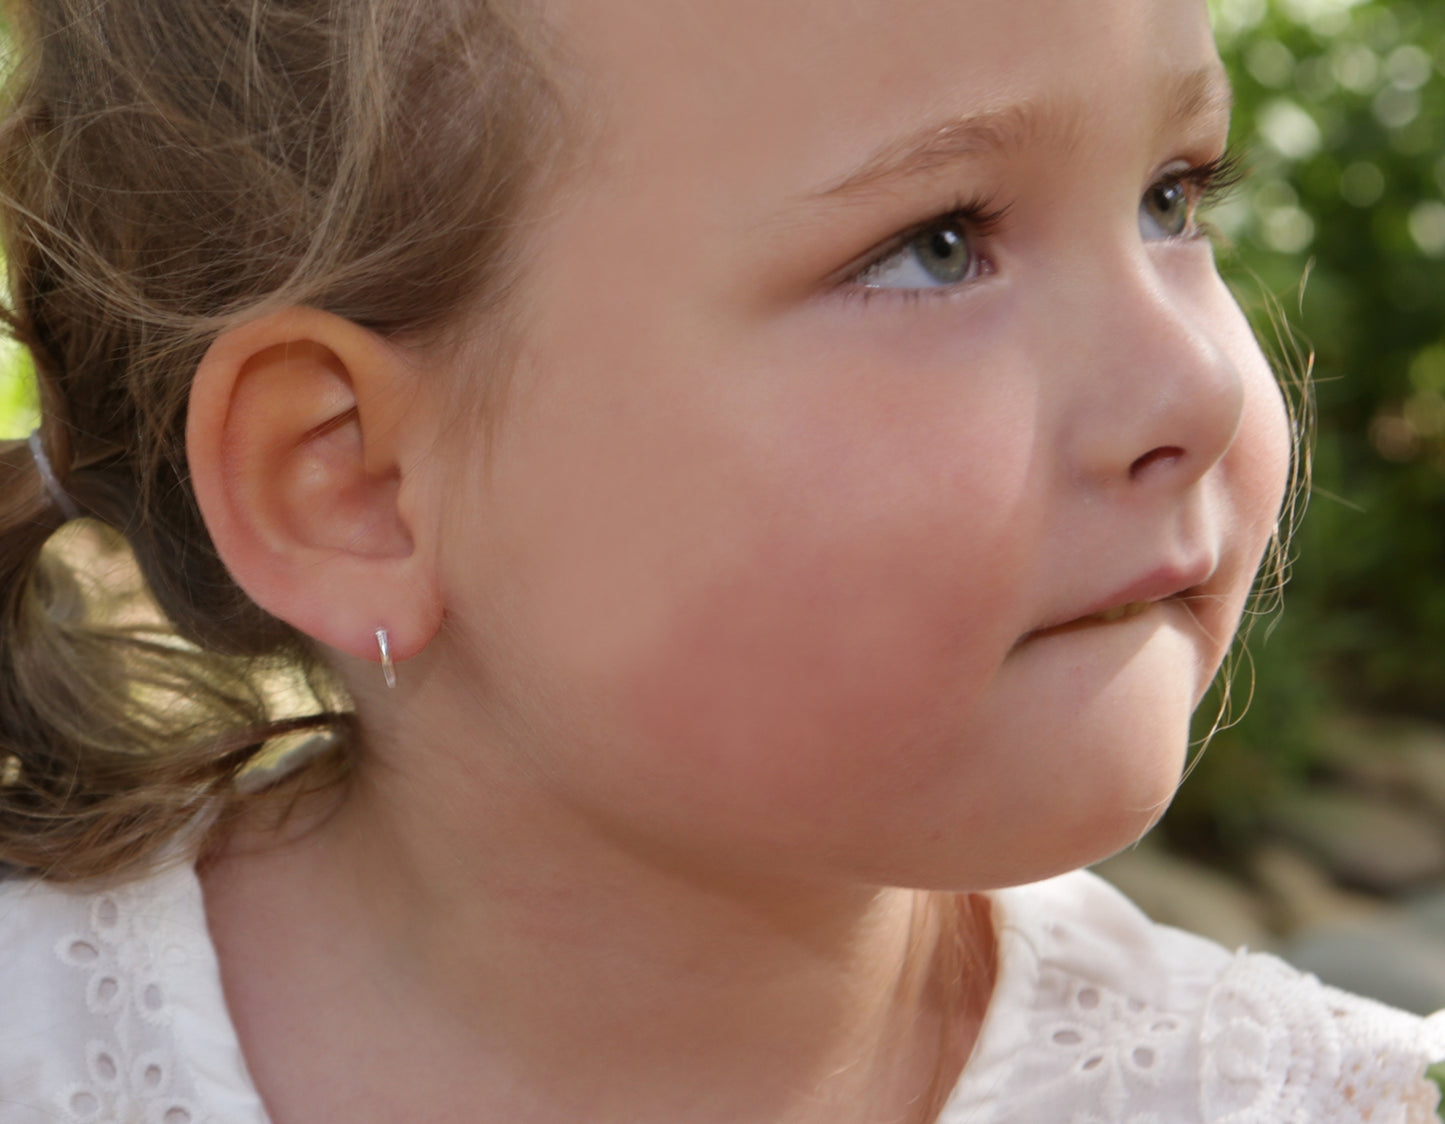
(167, 170)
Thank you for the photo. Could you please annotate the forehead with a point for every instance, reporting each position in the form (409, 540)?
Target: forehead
(823, 82)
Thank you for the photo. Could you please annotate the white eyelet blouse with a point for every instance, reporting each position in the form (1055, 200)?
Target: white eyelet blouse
(111, 1012)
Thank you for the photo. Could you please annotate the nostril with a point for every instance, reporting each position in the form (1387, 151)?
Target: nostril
(1164, 454)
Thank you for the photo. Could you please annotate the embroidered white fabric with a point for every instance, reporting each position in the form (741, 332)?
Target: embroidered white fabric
(111, 1009)
(111, 1012)
(1100, 1016)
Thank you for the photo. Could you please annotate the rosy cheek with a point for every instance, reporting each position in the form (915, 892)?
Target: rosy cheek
(819, 653)
(1264, 454)
(774, 662)
(816, 575)
(1252, 480)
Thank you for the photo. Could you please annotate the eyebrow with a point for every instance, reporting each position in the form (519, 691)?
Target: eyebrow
(1200, 94)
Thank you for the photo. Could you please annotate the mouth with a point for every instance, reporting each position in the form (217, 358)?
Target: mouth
(1165, 586)
(1110, 615)
(1117, 613)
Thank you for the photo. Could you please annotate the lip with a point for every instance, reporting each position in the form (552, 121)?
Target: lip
(1161, 584)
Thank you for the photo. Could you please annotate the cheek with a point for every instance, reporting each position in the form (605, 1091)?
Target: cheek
(1247, 488)
(1270, 443)
(817, 657)
(1258, 465)
(771, 603)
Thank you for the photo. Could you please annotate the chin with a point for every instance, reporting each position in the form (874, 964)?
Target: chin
(1092, 813)
(1123, 813)
(1048, 838)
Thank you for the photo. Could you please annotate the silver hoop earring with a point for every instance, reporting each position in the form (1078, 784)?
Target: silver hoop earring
(388, 669)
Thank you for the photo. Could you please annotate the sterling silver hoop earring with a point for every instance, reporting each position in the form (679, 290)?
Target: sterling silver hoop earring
(388, 669)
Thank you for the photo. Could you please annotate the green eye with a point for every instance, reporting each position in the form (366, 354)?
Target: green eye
(1166, 210)
(936, 257)
(944, 254)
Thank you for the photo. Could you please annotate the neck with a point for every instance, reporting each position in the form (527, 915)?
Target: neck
(599, 979)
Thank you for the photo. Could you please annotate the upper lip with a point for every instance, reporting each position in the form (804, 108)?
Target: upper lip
(1158, 584)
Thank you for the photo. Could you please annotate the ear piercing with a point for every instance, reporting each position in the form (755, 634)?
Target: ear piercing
(388, 669)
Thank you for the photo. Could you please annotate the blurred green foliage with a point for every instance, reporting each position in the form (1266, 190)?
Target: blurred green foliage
(1341, 114)
(18, 410)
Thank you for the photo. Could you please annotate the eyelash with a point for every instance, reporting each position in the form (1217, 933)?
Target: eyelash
(1211, 182)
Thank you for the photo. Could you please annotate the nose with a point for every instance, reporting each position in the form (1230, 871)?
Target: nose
(1154, 394)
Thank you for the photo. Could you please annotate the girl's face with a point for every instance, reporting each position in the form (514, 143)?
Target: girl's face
(887, 466)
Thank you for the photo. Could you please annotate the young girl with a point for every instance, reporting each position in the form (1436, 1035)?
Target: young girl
(731, 489)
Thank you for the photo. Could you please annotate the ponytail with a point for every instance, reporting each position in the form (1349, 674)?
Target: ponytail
(113, 735)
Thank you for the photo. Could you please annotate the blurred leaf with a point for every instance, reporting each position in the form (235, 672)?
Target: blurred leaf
(19, 410)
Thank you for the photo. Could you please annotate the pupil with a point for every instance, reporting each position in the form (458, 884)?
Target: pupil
(945, 254)
(944, 244)
(1170, 207)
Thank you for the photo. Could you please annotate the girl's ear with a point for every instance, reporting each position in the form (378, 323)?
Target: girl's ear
(307, 438)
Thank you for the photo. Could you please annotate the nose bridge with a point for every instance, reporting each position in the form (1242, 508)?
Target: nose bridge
(1154, 392)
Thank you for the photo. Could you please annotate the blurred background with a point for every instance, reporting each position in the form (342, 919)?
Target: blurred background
(1316, 824)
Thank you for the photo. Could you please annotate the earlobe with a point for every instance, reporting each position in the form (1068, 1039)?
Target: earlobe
(304, 434)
